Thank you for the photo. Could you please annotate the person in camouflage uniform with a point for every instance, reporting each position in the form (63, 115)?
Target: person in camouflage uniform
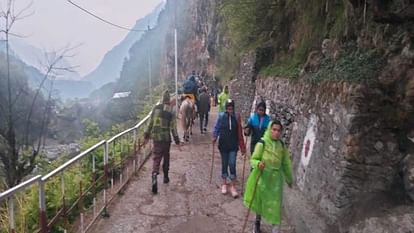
(162, 124)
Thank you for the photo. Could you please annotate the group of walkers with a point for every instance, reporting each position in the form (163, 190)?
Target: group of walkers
(270, 159)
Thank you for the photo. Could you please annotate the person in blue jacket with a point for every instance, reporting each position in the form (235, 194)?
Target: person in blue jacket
(229, 132)
(257, 125)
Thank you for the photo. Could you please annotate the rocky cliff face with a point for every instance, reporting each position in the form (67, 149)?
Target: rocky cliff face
(198, 37)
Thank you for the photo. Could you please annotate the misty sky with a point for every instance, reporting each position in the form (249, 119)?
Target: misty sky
(56, 23)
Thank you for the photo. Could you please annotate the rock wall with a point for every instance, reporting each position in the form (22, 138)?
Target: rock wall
(401, 220)
(351, 145)
(242, 89)
(344, 152)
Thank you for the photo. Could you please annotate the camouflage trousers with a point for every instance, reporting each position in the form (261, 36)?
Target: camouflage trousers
(161, 151)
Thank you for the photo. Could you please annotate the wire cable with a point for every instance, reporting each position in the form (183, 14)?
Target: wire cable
(104, 20)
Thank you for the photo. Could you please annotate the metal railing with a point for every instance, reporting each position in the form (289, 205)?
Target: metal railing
(122, 156)
(10, 194)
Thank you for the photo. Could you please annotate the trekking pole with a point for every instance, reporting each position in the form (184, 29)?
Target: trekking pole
(212, 163)
(244, 165)
(244, 168)
(251, 201)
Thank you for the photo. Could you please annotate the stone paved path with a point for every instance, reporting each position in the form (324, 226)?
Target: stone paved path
(188, 204)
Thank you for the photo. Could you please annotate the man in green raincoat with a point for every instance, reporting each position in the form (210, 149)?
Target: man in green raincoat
(222, 99)
(271, 168)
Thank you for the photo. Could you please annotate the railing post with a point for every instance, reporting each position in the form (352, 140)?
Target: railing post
(80, 206)
(121, 145)
(62, 184)
(135, 151)
(106, 159)
(94, 183)
(139, 152)
(11, 215)
(135, 141)
(128, 145)
(42, 207)
(113, 163)
(122, 161)
(114, 148)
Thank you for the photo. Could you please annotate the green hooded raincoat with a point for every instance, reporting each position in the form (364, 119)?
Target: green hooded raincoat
(222, 98)
(267, 200)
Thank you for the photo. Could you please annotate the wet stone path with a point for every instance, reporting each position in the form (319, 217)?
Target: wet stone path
(188, 204)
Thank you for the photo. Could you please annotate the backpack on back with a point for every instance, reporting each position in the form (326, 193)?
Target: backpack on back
(263, 142)
(188, 86)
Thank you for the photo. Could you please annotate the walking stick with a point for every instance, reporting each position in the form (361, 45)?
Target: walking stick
(244, 165)
(244, 168)
(251, 202)
(212, 163)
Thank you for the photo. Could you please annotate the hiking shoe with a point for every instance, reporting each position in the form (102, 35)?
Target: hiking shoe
(224, 189)
(154, 184)
(205, 129)
(166, 180)
(234, 192)
(256, 228)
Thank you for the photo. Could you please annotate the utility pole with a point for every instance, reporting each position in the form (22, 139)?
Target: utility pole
(176, 58)
(176, 69)
(149, 75)
(149, 70)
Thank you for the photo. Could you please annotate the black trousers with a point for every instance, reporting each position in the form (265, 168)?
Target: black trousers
(203, 119)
